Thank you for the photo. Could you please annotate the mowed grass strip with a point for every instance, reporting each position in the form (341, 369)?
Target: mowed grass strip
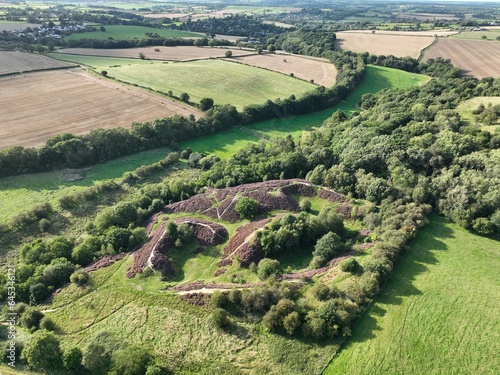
(438, 314)
(130, 32)
(225, 82)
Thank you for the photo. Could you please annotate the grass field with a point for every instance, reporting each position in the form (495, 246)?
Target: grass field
(478, 35)
(96, 62)
(19, 193)
(225, 82)
(438, 314)
(130, 32)
(465, 110)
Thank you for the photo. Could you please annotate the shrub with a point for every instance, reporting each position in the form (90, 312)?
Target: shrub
(268, 267)
(219, 299)
(321, 291)
(132, 360)
(219, 318)
(247, 208)
(44, 225)
(31, 318)
(350, 265)
(291, 322)
(79, 277)
(305, 205)
(42, 352)
(47, 324)
(72, 359)
(184, 97)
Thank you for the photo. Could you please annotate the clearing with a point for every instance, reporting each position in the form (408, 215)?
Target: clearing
(179, 53)
(321, 71)
(438, 314)
(224, 82)
(40, 105)
(383, 44)
(465, 109)
(18, 62)
(476, 58)
(130, 32)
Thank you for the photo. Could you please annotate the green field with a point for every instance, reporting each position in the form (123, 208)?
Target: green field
(490, 35)
(438, 314)
(96, 62)
(465, 110)
(20, 193)
(225, 82)
(130, 32)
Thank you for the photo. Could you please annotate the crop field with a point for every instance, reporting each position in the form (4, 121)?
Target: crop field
(427, 16)
(10, 25)
(97, 62)
(397, 45)
(438, 314)
(129, 32)
(427, 33)
(476, 58)
(39, 105)
(179, 53)
(16, 62)
(225, 82)
(321, 72)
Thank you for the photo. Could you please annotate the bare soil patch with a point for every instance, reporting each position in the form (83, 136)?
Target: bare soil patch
(383, 44)
(39, 105)
(322, 72)
(17, 62)
(476, 58)
(179, 53)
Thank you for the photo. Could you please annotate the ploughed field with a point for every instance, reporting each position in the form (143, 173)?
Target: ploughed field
(16, 62)
(476, 58)
(383, 44)
(39, 105)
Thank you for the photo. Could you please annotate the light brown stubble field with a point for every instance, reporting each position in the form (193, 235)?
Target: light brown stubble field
(37, 106)
(383, 44)
(321, 71)
(15, 62)
(477, 58)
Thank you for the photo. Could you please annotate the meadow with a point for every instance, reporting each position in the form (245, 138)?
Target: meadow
(130, 32)
(465, 110)
(478, 35)
(97, 62)
(438, 314)
(224, 82)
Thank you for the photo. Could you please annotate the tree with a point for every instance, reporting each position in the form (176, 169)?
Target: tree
(268, 267)
(184, 97)
(43, 352)
(79, 277)
(142, 56)
(498, 38)
(102, 29)
(104, 73)
(31, 318)
(132, 360)
(271, 48)
(484, 37)
(206, 104)
(291, 322)
(96, 358)
(247, 208)
(328, 247)
(229, 54)
(72, 359)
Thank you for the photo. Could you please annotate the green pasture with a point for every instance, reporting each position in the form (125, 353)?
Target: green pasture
(96, 62)
(466, 107)
(129, 32)
(438, 314)
(477, 35)
(223, 81)
(19, 193)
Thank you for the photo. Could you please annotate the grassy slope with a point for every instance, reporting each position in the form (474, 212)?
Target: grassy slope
(438, 314)
(22, 192)
(465, 110)
(98, 63)
(225, 82)
(129, 32)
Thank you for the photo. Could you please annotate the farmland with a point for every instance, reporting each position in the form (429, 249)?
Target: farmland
(179, 53)
(397, 45)
(321, 72)
(49, 99)
(476, 58)
(16, 62)
(437, 314)
(490, 34)
(9, 25)
(224, 82)
(130, 32)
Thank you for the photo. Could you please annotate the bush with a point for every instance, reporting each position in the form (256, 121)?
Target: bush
(350, 265)
(72, 359)
(44, 225)
(42, 352)
(219, 318)
(305, 205)
(321, 291)
(291, 322)
(219, 299)
(268, 267)
(247, 208)
(132, 360)
(184, 97)
(31, 318)
(47, 324)
(79, 277)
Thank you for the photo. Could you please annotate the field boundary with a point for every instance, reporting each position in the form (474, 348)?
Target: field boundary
(423, 51)
(39, 70)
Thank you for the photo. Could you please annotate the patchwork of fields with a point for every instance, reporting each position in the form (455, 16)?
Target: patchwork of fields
(40, 105)
(476, 58)
(383, 44)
